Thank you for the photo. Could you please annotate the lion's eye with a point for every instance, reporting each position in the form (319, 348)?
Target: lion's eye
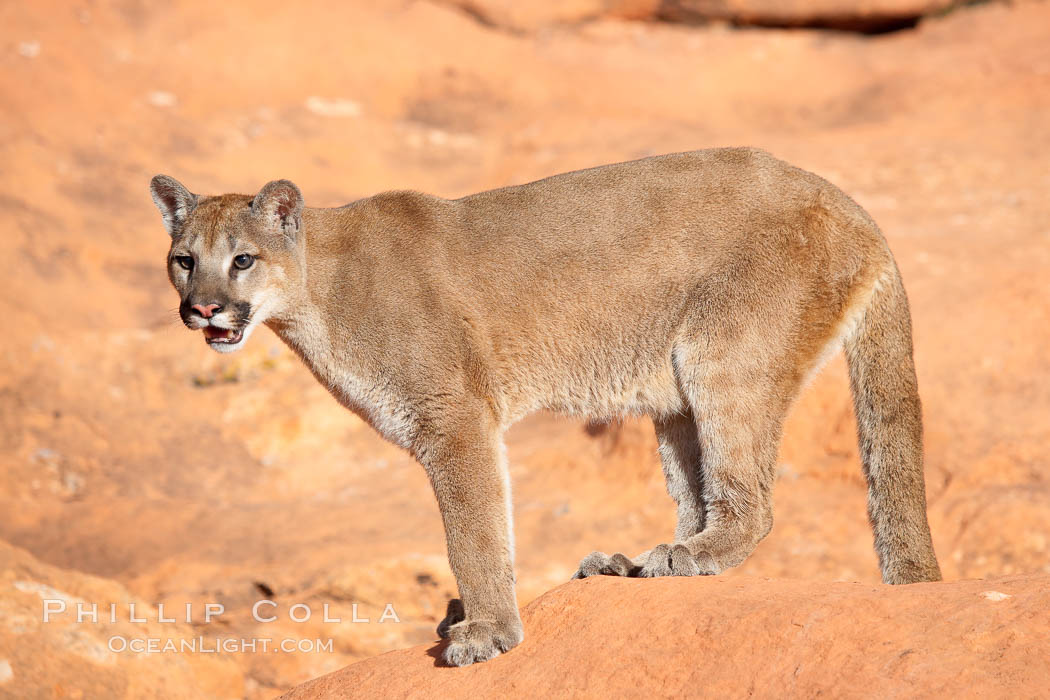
(243, 261)
(184, 261)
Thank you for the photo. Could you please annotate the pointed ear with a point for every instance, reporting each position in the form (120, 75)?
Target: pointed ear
(175, 202)
(280, 205)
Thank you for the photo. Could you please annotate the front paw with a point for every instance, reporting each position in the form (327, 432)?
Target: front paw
(453, 613)
(601, 564)
(676, 560)
(473, 641)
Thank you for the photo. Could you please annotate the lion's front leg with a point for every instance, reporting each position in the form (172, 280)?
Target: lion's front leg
(466, 468)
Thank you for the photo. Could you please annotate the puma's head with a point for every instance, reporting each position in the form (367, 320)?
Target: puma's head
(233, 258)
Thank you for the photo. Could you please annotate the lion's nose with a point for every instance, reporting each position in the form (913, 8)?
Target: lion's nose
(207, 310)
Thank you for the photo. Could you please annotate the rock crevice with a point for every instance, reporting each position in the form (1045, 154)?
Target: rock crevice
(868, 17)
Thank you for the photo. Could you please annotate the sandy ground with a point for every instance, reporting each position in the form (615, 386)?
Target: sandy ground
(131, 452)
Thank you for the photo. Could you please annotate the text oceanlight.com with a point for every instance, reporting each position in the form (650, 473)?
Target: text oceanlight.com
(202, 645)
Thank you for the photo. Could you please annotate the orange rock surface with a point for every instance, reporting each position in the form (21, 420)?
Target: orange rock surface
(742, 636)
(54, 655)
(131, 453)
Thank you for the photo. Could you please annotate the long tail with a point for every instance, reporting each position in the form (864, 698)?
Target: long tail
(889, 426)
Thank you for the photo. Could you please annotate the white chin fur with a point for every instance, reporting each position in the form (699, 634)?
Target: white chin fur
(225, 348)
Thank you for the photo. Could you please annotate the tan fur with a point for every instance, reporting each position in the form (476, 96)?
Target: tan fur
(701, 289)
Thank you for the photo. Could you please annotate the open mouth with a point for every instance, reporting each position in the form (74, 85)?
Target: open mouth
(215, 335)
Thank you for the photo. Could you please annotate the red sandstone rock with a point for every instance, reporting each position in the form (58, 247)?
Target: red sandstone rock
(61, 657)
(737, 637)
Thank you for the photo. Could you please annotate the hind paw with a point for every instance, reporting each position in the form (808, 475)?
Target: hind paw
(602, 564)
(676, 560)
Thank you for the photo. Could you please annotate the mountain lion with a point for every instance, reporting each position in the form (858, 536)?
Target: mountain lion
(701, 289)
